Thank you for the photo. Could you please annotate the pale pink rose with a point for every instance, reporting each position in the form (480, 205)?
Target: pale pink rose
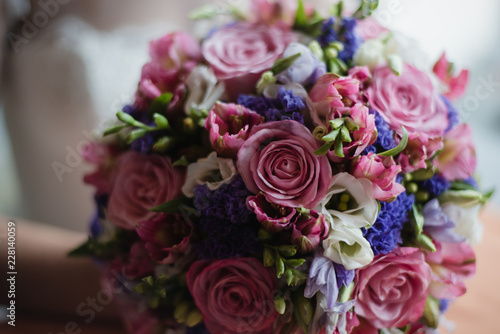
(451, 264)
(172, 58)
(229, 125)
(409, 100)
(309, 230)
(392, 290)
(457, 160)
(103, 156)
(240, 53)
(274, 218)
(455, 84)
(278, 160)
(166, 236)
(382, 172)
(141, 183)
(274, 12)
(234, 295)
(419, 149)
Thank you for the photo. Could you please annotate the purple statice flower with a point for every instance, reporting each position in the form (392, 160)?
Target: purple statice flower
(435, 186)
(285, 106)
(227, 228)
(438, 225)
(385, 234)
(344, 33)
(453, 115)
(385, 136)
(95, 226)
(443, 305)
(327, 277)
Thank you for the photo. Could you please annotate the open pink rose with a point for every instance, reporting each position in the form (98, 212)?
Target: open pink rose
(234, 295)
(457, 160)
(278, 160)
(392, 290)
(419, 149)
(241, 52)
(166, 236)
(456, 84)
(382, 172)
(408, 99)
(229, 125)
(141, 183)
(451, 264)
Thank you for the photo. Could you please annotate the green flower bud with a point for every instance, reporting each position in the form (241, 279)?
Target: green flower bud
(279, 304)
(194, 318)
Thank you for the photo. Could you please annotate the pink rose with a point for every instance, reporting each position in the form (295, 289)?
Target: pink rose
(274, 218)
(457, 160)
(228, 126)
(240, 53)
(274, 12)
(172, 58)
(234, 295)
(451, 264)
(278, 160)
(166, 237)
(309, 230)
(456, 85)
(419, 149)
(141, 183)
(382, 172)
(408, 99)
(392, 290)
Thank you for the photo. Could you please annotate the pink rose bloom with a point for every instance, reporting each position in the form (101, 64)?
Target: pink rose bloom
(392, 290)
(274, 218)
(278, 160)
(141, 183)
(103, 156)
(234, 295)
(382, 172)
(228, 126)
(408, 99)
(419, 149)
(309, 230)
(240, 53)
(457, 160)
(274, 12)
(456, 85)
(172, 58)
(166, 237)
(451, 264)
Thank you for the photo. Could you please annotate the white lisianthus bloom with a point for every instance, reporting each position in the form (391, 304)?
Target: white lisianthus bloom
(211, 171)
(204, 90)
(349, 201)
(347, 246)
(466, 219)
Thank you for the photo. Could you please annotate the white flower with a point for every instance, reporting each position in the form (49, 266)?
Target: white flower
(466, 219)
(211, 171)
(347, 246)
(359, 208)
(203, 89)
(372, 53)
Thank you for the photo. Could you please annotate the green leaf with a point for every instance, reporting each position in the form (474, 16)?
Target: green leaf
(401, 146)
(182, 162)
(366, 9)
(160, 104)
(163, 144)
(136, 134)
(161, 121)
(301, 15)
(126, 118)
(282, 64)
(114, 129)
(172, 206)
(418, 219)
(83, 250)
(324, 149)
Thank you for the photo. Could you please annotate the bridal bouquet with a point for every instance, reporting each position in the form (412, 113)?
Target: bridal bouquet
(291, 172)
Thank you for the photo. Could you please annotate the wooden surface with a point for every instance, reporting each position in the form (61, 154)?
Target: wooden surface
(476, 312)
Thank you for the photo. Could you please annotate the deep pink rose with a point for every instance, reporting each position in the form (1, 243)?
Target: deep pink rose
(274, 218)
(309, 230)
(451, 264)
(141, 183)
(166, 236)
(234, 295)
(240, 53)
(382, 172)
(278, 160)
(408, 99)
(392, 290)
(419, 149)
(457, 160)
(229, 126)
(456, 84)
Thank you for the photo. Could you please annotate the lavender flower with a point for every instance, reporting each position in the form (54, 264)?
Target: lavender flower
(304, 70)
(438, 225)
